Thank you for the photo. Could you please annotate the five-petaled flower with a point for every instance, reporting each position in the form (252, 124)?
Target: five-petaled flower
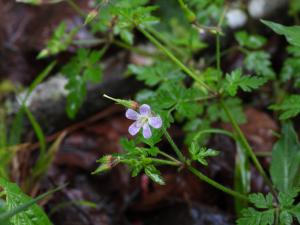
(143, 119)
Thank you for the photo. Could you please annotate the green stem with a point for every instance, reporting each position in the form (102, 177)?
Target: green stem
(218, 51)
(263, 154)
(277, 213)
(174, 146)
(131, 48)
(167, 43)
(76, 8)
(165, 162)
(214, 131)
(95, 41)
(175, 60)
(168, 156)
(243, 141)
(215, 184)
(189, 14)
(223, 53)
(218, 41)
(200, 99)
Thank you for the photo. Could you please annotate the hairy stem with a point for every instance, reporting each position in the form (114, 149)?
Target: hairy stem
(169, 156)
(215, 184)
(174, 146)
(200, 175)
(132, 48)
(188, 71)
(165, 162)
(218, 51)
(213, 131)
(242, 139)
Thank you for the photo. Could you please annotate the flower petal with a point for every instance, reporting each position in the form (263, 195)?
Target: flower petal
(134, 128)
(131, 114)
(145, 110)
(155, 122)
(146, 131)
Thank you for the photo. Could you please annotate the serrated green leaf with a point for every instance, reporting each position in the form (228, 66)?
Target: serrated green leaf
(33, 215)
(286, 159)
(296, 212)
(81, 68)
(126, 36)
(267, 217)
(250, 41)
(215, 110)
(252, 217)
(290, 107)
(259, 62)
(154, 174)
(285, 218)
(3, 210)
(291, 69)
(128, 145)
(154, 74)
(60, 41)
(189, 110)
(247, 83)
(201, 154)
(260, 201)
(249, 216)
(286, 199)
(291, 33)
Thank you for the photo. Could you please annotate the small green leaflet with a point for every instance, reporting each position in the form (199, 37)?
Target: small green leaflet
(288, 210)
(14, 198)
(266, 213)
(247, 83)
(154, 174)
(291, 71)
(290, 107)
(260, 63)
(137, 159)
(201, 154)
(250, 41)
(157, 73)
(82, 68)
(60, 41)
(265, 216)
(291, 33)
(286, 160)
(215, 110)
(252, 217)
(260, 201)
(124, 15)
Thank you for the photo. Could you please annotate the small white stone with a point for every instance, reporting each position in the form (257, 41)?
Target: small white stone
(236, 18)
(262, 8)
(50, 90)
(256, 8)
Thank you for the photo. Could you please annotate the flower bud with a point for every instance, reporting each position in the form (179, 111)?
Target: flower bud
(126, 103)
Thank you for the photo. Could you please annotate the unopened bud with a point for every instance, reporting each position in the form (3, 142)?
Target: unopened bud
(92, 14)
(126, 103)
(107, 163)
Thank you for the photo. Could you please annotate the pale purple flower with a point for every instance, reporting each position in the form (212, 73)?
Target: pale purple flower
(143, 119)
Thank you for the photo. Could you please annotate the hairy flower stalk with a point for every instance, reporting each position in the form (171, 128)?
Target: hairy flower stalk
(143, 119)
